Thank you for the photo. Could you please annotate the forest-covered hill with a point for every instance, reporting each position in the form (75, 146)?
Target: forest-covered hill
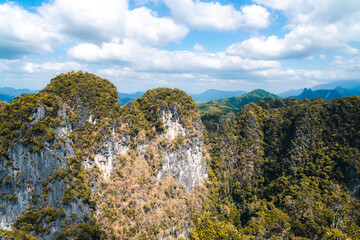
(233, 104)
(76, 165)
(285, 169)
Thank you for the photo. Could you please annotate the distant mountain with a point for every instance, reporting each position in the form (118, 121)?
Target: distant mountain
(348, 93)
(324, 94)
(16, 92)
(5, 98)
(127, 97)
(338, 92)
(348, 84)
(8, 93)
(292, 92)
(213, 94)
(223, 106)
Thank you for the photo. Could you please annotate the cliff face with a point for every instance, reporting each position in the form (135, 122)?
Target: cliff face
(153, 168)
(33, 183)
(185, 162)
(73, 163)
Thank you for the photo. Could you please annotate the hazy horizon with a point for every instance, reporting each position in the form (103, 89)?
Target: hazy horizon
(191, 45)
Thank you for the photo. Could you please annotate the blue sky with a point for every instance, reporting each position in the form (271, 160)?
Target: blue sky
(193, 45)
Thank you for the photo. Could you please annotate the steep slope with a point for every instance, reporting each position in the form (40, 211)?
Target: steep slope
(156, 176)
(71, 157)
(223, 106)
(285, 169)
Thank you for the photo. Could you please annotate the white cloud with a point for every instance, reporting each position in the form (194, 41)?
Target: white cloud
(63, 21)
(213, 15)
(301, 42)
(57, 67)
(349, 65)
(22, 32)
(144, 58)
(198, 48)
(145, 27)
(315, 27)
(316, 12)
(256, 16)
(23, 73)
(109, 20)
(86, 19)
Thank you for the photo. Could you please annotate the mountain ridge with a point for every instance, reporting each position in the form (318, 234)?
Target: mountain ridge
(76, 165)
(234, 104)
(81, 153)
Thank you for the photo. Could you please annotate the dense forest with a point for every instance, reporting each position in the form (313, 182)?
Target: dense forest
(285, 169)
(76, 165)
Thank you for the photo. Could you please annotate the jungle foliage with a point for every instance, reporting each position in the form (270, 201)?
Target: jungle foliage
(87, 107)
(278, 169)
(233, 104)
(285, 169)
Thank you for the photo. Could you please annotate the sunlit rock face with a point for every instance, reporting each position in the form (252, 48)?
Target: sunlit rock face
(186, 163)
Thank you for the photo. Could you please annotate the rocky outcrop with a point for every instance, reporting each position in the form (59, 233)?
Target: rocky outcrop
(37, 114)
(104, 158)
(26, 175)
(186, 162)
(172, 123)
(73, 162)
(353, 181)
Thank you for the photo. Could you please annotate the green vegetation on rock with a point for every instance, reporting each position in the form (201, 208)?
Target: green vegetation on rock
(277, 168)
(287, 169)
(85, 91)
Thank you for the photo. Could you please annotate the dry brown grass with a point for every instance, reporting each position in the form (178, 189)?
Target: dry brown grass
(133, 205)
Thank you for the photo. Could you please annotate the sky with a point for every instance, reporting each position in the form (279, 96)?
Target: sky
(193, 45)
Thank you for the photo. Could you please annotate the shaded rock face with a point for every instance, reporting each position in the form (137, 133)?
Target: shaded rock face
(38, 114)
(353, 181)
(26, 173)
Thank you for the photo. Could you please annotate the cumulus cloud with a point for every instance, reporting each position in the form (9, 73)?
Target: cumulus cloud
(22, 32)
(213, 15)
(145, 27)
(145, 58)
(62, 21)
(316, 12)
(301, 42)
(56, 67)
(24, 73)
(315, 27)
(107, 20)
(87, 19)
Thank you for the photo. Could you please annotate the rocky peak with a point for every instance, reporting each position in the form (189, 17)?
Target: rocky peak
(74, 147)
